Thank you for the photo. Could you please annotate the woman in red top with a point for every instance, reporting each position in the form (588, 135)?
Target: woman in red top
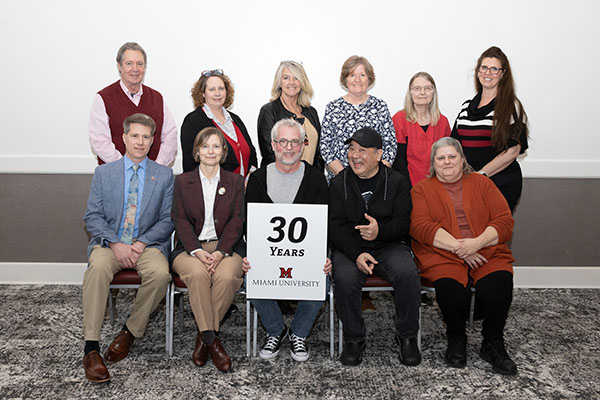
(212, 95)
(460, 224)
(418, 126)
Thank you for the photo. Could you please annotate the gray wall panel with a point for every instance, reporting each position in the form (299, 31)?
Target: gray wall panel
(556, 223)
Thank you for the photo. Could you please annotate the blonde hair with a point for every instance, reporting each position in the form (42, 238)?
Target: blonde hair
(409, 105)
(297, 70)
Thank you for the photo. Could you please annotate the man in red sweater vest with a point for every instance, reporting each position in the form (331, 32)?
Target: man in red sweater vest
(123, 98)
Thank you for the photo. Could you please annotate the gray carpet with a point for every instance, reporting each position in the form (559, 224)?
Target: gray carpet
(552, 335)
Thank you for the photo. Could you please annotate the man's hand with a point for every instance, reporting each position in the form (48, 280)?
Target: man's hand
(369, 232)
(365, 263)
(137, 249)
(245, 265)
(124, 254)
(327, 267)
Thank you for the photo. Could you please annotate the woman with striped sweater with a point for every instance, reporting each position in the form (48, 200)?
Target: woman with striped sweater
(492, 127)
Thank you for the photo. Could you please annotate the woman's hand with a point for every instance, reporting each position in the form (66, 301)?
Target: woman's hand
(328, 266)
(467, 247)
(475, 261)
(217, 257)
(245, 265)
(204, 256)
(335, 167)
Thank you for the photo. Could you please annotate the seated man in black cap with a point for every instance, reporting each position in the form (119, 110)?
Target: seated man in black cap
(369, 213)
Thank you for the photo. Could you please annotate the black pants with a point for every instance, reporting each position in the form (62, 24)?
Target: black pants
(493, 295)
(510, 185)
(395, 265)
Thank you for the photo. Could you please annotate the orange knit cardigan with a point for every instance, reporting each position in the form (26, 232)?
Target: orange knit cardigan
(484, 206)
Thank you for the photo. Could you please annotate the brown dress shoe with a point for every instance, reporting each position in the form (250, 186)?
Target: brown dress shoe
(119, 348)
(200, 354)
(95, 370)
(219, 356)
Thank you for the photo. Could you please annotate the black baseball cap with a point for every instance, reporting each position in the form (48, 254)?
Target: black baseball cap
(366, 137)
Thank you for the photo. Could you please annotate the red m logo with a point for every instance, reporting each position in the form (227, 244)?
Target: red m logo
(285, 273)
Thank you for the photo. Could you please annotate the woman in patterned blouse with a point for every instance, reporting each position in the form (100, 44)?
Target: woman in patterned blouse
(355, 110)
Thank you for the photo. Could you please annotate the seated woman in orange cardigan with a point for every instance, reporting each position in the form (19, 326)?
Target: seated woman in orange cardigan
(460, 224)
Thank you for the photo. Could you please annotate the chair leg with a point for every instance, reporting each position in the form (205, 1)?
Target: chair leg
(167, 309)
(171, 317)
(248, 328)
(472, 308)
(331, 327)
(180, 311)
(340, 337)
(110, 308)
(419, 331)
(254, 331)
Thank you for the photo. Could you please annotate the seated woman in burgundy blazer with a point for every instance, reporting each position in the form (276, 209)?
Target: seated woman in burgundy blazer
(208, 213)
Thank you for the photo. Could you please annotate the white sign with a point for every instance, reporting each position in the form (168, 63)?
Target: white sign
(287, 249)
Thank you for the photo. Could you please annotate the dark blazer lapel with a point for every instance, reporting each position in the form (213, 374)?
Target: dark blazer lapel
(225, 183)
(194, 185)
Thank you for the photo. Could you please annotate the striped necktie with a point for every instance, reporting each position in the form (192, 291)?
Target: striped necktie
(132, 195)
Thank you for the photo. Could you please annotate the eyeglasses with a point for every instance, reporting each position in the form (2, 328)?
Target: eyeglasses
(493, 70)
(417, 89)
(212, 72)
(284, 142)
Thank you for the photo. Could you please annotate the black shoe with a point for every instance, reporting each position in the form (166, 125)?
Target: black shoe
(456, 353)
(495, 353)
(272, 344)
(409, 351)
(352, 354)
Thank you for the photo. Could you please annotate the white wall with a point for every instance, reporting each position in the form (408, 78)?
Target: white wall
(57, 55)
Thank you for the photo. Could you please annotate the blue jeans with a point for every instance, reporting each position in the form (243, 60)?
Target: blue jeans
(395, 265)
(303, 321)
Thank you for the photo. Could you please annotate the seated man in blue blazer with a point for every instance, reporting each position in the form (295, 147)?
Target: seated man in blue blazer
(129, 218)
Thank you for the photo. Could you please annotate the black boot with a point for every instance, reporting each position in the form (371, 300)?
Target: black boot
(495, 353)
(456, 353)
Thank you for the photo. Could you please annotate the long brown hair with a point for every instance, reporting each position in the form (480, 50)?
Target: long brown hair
(508, 106)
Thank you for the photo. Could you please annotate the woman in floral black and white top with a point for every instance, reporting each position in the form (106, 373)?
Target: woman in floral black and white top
(355, 110)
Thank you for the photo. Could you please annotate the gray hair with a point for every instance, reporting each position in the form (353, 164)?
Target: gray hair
(444, 142)
(289, 122)
(130, 46)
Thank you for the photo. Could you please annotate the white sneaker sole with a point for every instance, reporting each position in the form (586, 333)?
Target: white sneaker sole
(299, 358)
(268, 356)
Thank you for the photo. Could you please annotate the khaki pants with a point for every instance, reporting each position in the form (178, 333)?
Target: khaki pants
(153, 268)
(210, 296)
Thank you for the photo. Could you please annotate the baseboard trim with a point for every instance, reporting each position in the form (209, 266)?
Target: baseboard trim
(72, 274)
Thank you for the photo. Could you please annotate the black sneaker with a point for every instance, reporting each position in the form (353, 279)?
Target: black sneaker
(409, 351)
(352, 354)
(271, 347)
(299, 351)
(495, 353)
(456, 353)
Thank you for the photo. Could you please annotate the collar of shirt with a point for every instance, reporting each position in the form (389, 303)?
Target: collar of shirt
(129, 163)
(210, 115)
(215, 179)
(134, 97)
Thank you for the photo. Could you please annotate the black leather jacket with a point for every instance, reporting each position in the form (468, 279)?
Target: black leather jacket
(272, 112)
